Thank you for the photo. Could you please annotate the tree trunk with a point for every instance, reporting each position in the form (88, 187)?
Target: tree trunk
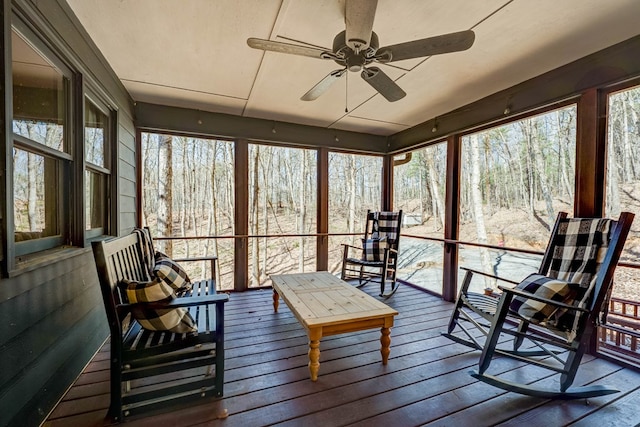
(351, 188)
(255, 249)
(165, 193)
(302, 208)
(433, 186)
(477, 206)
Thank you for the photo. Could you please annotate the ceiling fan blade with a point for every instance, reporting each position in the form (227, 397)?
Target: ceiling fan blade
(323, 85)
(383, 84)
(292, 49)
(452, 42)
(358, 20)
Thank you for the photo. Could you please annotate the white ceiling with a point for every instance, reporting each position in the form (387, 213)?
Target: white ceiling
(194, 54)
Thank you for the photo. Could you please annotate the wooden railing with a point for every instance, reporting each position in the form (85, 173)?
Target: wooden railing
(620, 335)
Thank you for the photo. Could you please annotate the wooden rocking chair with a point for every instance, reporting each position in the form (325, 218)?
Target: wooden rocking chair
(556, 310)
(379, 252)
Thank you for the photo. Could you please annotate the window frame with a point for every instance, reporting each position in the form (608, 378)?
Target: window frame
(105, 171)
(64, 159)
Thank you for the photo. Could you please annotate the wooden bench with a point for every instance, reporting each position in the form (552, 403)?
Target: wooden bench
(144, 363)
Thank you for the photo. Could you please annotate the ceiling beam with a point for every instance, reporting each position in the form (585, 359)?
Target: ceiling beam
(608, 66)
(161, 118)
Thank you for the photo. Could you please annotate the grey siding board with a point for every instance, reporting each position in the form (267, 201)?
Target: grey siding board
(127, 218)
(51, 343)
(127, 188)
(52, 313)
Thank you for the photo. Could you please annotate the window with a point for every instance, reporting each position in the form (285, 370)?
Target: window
(96, 136)
(623, 181)
(187, 191)
(282, 201)
(419, 190)
(41, 152)
(355, 186)
(514, 180)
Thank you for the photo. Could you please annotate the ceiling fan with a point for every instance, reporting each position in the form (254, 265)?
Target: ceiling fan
(357, 47)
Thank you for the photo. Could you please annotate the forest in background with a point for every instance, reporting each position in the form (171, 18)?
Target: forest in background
(514, 180)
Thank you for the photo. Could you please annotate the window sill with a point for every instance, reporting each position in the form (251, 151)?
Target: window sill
(30, 262)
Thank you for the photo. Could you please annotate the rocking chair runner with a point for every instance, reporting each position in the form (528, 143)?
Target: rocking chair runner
(379, 252)
(556, 310)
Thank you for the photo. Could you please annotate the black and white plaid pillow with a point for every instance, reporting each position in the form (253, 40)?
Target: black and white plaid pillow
(544, 287)
(170, 272)
(153, 291)
(373, 249)
(176, 320)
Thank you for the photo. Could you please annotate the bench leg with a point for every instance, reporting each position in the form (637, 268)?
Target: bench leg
(314, 353)
(276, 302)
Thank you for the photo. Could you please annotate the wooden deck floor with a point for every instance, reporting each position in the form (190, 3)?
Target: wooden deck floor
(425, 383)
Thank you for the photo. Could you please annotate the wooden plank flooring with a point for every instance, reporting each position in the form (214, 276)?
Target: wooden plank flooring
(425, 383)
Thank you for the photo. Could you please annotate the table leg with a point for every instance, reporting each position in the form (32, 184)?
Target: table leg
(385, 340)
(314, 352)
(276, 297)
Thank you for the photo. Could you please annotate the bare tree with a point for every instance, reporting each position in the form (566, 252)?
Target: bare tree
(165, 192)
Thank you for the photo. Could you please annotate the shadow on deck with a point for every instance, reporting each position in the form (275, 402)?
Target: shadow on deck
(426, 381)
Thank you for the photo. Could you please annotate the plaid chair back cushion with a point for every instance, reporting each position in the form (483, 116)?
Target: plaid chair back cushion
(580, 247)
(386, 225)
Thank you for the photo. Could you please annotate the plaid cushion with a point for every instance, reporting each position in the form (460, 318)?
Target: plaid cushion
(147, 248)
(373, 249)
(581, 247)
(387, 224)
(176, 320)
(168, 271)
(153, 291)
(544, 287)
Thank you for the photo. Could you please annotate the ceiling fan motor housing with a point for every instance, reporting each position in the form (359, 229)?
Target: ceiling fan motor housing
(347, 57)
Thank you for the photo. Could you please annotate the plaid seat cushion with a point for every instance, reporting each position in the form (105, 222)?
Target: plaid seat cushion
(543, 287)
(373, 249)
(170, 272)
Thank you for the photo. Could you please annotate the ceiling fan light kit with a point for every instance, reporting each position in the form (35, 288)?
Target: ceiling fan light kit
(355, 48)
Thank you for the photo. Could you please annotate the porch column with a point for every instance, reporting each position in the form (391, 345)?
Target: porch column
(322, 210)
(451, 214)
(241, 215)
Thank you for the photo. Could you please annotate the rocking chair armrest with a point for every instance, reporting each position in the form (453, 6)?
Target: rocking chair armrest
(481, 273)
(197, 258)
(351, 246)
(528, 295)
(346, 249)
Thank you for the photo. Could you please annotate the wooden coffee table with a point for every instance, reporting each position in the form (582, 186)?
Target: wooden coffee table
(326, 305)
